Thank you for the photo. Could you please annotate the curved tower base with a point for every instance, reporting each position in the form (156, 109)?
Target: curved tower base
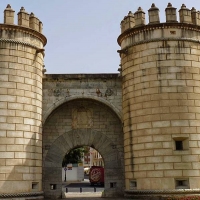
(23, 196)
(161, 107)
(21, 73)
(162, 194)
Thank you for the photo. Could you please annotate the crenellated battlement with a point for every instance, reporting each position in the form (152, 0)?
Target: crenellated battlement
(24, 19)
(137, 19)
(27, 31)
(135, 30)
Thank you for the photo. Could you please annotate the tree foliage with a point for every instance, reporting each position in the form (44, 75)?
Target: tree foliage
(75, 155)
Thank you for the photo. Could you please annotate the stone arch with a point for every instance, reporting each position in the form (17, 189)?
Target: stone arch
(65, 130)
(75, 97)
(111, 153)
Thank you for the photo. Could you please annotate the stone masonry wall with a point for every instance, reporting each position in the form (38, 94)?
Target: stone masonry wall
(160, 77)
(21, 74)
(58, 88)
(82, 110)
(161, 105)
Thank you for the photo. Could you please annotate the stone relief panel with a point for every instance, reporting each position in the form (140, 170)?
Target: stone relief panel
(58, 92)
(109, 92)
(55, 92)
(61, 92)
(81, 118)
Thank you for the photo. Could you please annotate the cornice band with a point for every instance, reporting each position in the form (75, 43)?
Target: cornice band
(161, 39)
(35, 194)
(12, 27)
(18, 42)
(150, 27)
(168, 192)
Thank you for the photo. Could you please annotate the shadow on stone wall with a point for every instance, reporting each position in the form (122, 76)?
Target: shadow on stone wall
(24, 172)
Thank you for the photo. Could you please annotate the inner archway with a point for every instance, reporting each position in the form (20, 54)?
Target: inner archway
(113, 161)
(83, 123)
(83, 171)
(77, 165)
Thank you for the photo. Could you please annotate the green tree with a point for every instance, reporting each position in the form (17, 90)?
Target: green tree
(75, 155)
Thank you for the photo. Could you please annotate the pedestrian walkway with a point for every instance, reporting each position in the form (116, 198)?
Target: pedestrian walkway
(89, 196)
(87, 192)
(93, 198)
(96, 198)
(82, 195)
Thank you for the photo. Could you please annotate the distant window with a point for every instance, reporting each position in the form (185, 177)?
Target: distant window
(53, 186)
(113, 185)
(133, 184)
(35, 186)
(182, 184)
(179, 145)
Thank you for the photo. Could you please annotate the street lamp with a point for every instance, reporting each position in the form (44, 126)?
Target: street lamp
(65, 168)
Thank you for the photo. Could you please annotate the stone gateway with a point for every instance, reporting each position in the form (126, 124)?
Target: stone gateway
(144, 121)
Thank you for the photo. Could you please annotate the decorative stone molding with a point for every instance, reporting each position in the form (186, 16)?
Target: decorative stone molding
(150, 27)
(177, 191)
(35, 194)
(82, 118)
(160, 39)
(24, 29)
(57, 92)
(109, 92)
(22, 43)
(75, 97)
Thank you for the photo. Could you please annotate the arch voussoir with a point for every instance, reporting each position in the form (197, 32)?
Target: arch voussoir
(54, 155)
(97, 139)
(82, 122)
(61, 143)
(101, 141)
(92, 137)
(68, 140)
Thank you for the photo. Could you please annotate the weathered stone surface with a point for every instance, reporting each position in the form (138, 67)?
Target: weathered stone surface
(158, 96)
(105, 136)
(17, 88)
(160, 81)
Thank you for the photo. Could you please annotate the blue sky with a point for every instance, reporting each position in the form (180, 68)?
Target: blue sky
(82, 34)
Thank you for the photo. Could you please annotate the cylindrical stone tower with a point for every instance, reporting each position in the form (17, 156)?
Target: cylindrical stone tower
(21, 72)
(160, 66)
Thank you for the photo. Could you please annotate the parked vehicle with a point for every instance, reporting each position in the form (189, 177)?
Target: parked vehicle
(96, 175)
(86, 170)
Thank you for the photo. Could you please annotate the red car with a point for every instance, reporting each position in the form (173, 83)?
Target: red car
(96, 175)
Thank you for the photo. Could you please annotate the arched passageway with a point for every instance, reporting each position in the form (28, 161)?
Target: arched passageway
(83, 123)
